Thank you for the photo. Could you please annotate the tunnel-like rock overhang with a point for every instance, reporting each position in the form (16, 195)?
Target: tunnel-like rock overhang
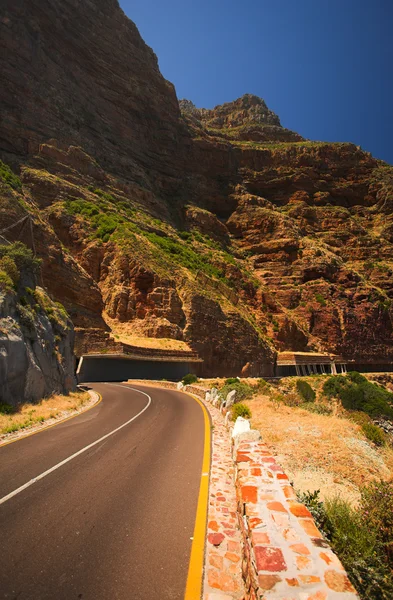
(120, 367)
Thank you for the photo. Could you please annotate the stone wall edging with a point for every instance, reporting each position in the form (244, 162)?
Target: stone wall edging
(284, 555)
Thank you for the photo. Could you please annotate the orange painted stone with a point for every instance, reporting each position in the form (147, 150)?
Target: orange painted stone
(233, 546)
(299, 510)
(254, 521)
(338, 582)
(281, 519)
(331, 560)
(288, 491)
(249, 493)
(292, 582)
(276, 506)
(309, 527)
(213, 525)
(259, 537)
(269, 559)
(302, 562)
(267, 582)
(232, 556)
(282, 476)
(216, 561)
(221, 581)
(256, 472)
(300, 549)
(241, 457)
(265, 496)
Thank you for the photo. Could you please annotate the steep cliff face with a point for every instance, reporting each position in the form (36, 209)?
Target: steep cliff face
(218, 227)
(79, 72)
(36, 335)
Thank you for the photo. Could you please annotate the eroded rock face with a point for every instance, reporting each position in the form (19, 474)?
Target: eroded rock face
(36, 352)
(227, 342)
(79, 72)
(296, 237)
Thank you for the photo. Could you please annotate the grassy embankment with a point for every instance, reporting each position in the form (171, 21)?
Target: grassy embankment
(26, 416)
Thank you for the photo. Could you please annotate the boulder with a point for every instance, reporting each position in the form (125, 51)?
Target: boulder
(241, 426)
(231, 399)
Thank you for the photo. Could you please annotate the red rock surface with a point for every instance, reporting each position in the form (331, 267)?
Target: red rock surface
(294, 238)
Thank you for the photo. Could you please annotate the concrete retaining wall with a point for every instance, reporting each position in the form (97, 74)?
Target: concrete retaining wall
(102, 368)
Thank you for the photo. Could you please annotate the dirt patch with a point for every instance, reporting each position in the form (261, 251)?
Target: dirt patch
(324, 452)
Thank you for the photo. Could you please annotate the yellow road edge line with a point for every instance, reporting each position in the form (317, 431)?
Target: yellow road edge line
(23, 437)
(197, 558)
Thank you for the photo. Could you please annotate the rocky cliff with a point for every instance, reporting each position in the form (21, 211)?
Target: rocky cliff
(216, 227)
(36, 335)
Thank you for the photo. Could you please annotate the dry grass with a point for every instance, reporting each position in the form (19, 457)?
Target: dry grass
(157, 343)
(49, 408)
(323, 452)
(125, 332)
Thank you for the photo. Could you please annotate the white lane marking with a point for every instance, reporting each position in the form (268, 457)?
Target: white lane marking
(66, 460)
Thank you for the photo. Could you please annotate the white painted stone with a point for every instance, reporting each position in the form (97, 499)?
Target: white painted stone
(213, 393)
(253, 435)
(207, 397)
(180, 385)
(241, 426)
(231, 399)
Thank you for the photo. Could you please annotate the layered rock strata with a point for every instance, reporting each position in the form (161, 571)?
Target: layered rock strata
(217, 227)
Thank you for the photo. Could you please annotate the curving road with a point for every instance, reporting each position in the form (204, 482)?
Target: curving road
(116, 521)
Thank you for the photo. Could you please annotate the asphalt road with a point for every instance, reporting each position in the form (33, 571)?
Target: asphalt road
(115, 522)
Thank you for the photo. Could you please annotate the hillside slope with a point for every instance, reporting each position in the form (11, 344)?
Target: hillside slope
(219, 228)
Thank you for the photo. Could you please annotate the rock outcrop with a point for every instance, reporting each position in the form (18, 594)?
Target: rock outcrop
(217, 227)
(36, 337)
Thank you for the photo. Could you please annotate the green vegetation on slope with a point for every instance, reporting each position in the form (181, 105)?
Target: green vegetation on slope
(362, 538)
(14, 259)
(9, 177)
(357, 393)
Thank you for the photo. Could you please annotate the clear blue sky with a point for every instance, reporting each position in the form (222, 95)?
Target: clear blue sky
(324, 66)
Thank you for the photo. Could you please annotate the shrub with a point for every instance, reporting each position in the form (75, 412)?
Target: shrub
(356, 377)
(305, 390)
(6, 282)
(22, 257)
(189, 378)
(9, 266)
(240, 410)
(243, 390)
(364, 395)
(231, 380)
(9, 177)
(359, 417)
(319, 298)
(374, 433)
(262, 383)
(333, 386)
(357, 539)
(377, 504)
(6, 409)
